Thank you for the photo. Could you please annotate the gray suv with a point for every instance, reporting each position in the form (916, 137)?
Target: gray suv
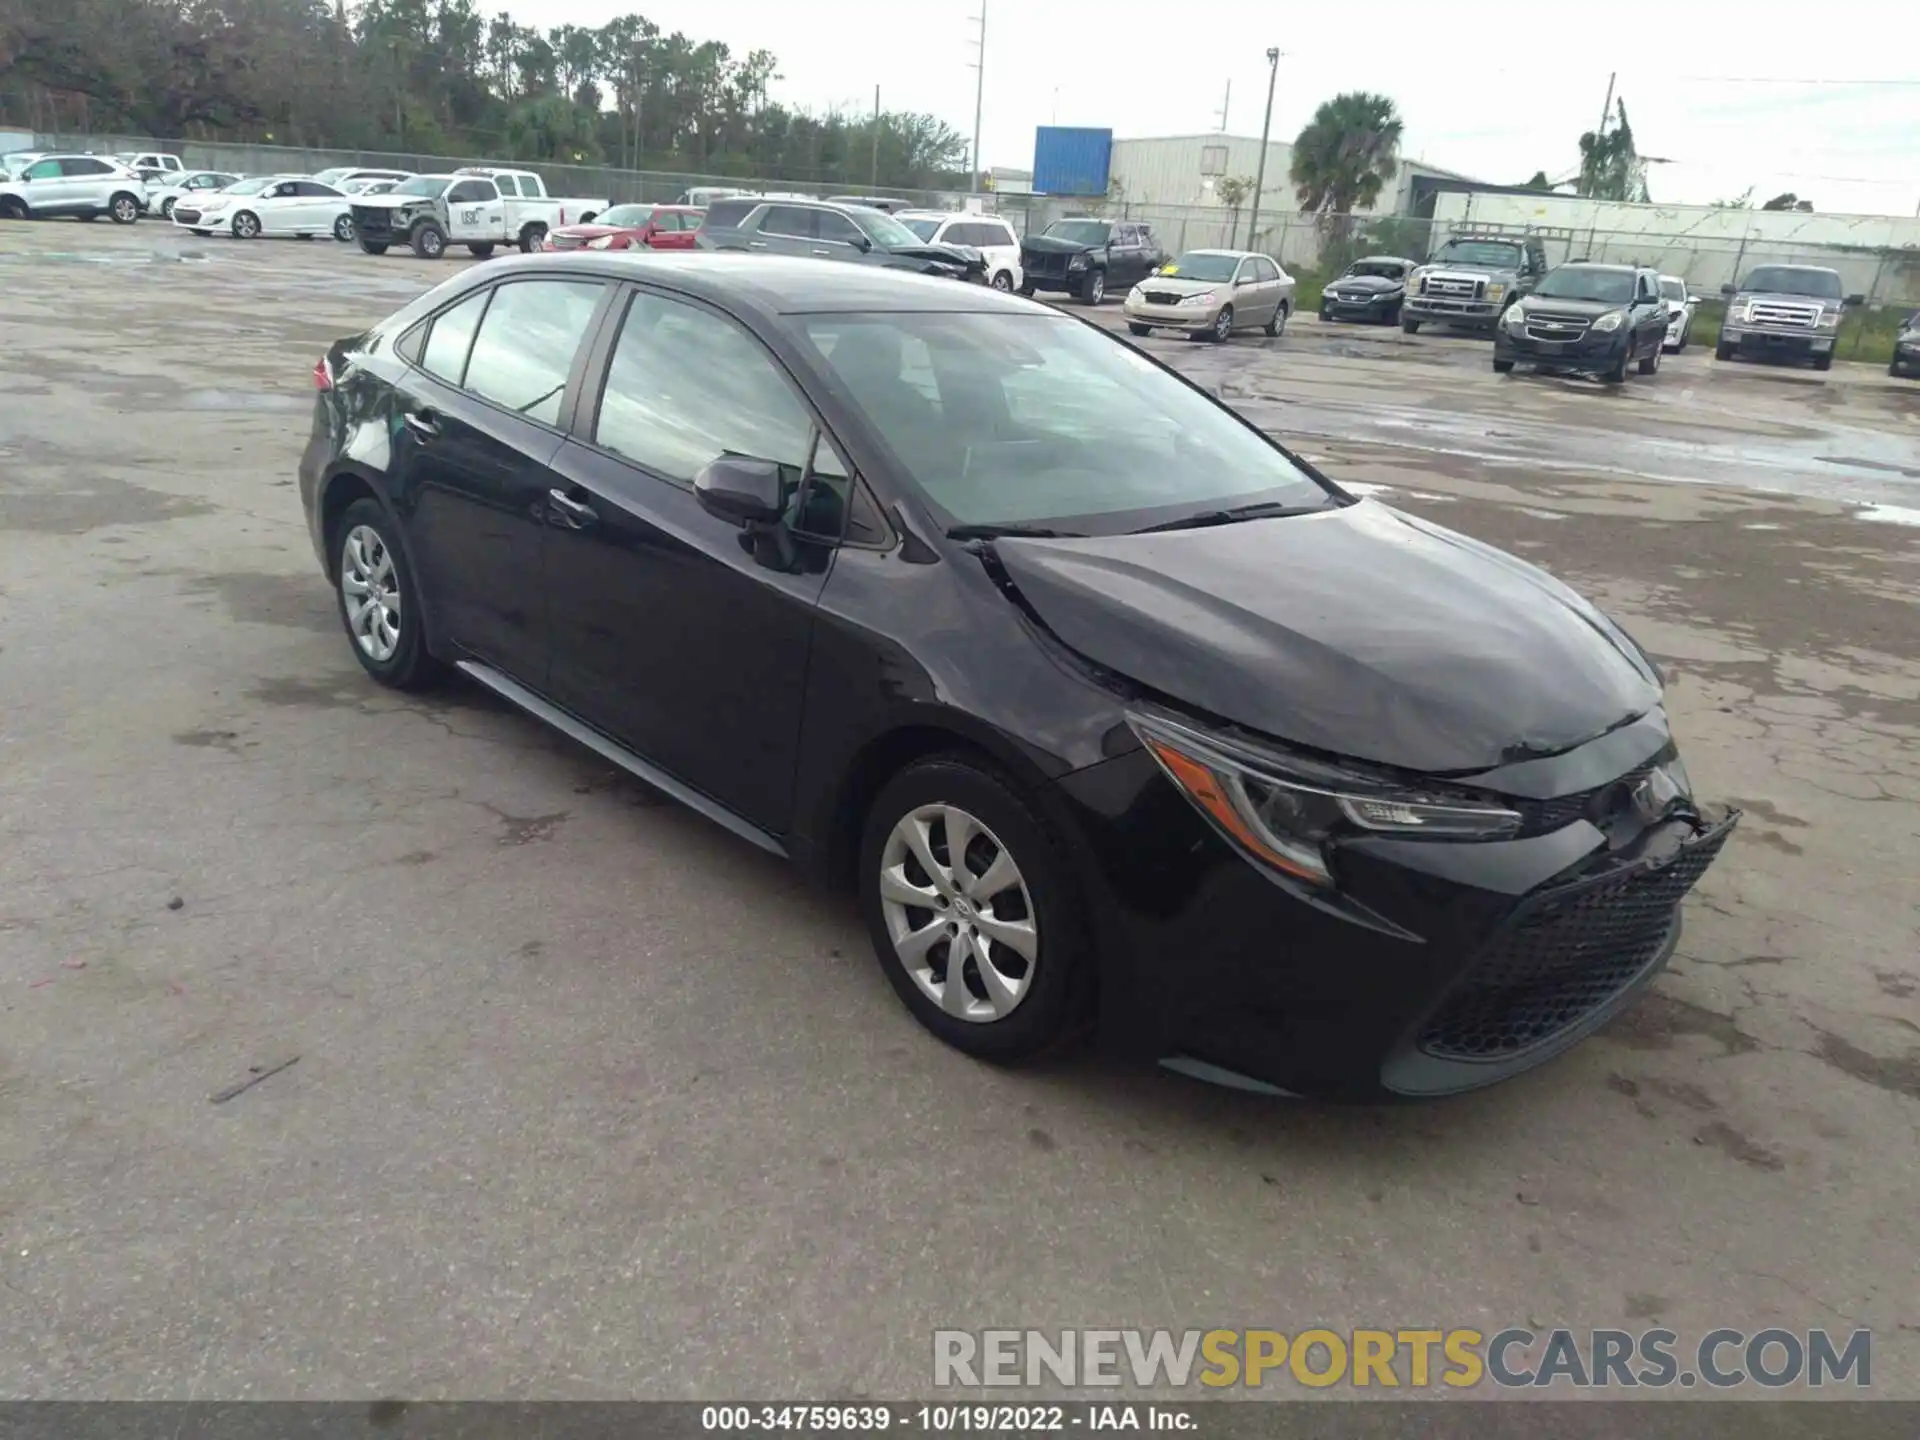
(1471, 280)
(1785, 312)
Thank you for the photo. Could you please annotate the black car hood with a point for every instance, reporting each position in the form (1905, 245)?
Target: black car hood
(945, 254)
(1591, 309)
(1359, 631)
(1373, 284)
(1055, 245)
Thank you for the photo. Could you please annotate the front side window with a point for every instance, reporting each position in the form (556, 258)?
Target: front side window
(839, 228)
(470, 192)
(44, 170)
(527, 341)
(1042, 420)
(686, 386)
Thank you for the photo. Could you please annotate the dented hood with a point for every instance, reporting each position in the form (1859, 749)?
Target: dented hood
(1358, 631)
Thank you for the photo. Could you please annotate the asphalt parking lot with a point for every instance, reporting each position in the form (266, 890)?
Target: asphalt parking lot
(593, 1100)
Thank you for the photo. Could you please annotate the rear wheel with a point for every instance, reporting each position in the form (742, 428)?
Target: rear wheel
(1278, 324)
(480, 252)
(374, 247)
(1026, 288)
(378, 603)
(429, 240)
(12, 207)
(124, 209)
(972, 910)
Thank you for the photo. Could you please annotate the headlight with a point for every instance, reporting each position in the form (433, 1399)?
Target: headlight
(600, 242)
(1742, 311)
(1416, 282)
(1286, 820)
(1610, 321)
(1829, 319)
(1495, 290)
(1205, 297)
(1515, 319)
(1077, 262)
(1137, 294)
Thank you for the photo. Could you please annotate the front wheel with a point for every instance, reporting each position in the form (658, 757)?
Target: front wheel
(1617, 374)
(1823, 362)
(1278, 324)
(378, 603)
(1026, 288)
(1503, 367)
(429, 241)
(166, 208)
(246, 226)
(1650, 364)
(1094, 288)
(972, 910)
(1139, 329)
(1411, 327)
(1002, 280)
(343, 229)
(373, 247)
(1723, 351)
(1222, 330)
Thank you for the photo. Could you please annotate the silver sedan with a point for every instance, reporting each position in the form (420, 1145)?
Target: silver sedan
(1212, 293)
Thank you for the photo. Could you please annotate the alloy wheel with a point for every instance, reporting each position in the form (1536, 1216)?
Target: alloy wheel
(1223, 324)
(125, 211)
(245, 226)
(370, 585)
(1003, 281)
(958, 913)
(343, 229)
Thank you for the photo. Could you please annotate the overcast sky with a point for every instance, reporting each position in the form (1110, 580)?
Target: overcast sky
(1478, 95)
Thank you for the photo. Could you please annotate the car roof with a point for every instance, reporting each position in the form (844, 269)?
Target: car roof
(1238, 254)
(1600, 265)
(1380, 260)
(777, 284)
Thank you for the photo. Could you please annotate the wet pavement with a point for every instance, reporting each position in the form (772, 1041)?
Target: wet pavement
(592, 1100)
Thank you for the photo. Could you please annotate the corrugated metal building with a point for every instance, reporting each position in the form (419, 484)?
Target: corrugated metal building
(1186, 169)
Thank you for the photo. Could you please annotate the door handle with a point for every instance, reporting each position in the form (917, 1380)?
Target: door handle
(756, 244)
(570, 512)
(423, 423)
(823, 252)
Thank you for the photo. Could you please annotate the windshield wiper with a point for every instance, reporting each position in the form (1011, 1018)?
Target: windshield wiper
(1261, 510)
(1011, 532)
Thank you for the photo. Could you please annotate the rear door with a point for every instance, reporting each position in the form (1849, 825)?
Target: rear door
(87, 183)
(669, 634)
(320, 205)
(479, 417)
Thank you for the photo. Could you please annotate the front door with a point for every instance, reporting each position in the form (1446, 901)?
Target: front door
(46, 187)
(475, 212)
(478, 423)
(668, 633)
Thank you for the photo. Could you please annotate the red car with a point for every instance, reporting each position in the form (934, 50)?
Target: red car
(627, 227)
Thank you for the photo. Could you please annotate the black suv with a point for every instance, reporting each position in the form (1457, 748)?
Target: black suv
(826, 231)
(1088, 257)
(1593, 318)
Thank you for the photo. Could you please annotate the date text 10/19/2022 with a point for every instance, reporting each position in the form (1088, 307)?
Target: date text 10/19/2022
(945, 1419)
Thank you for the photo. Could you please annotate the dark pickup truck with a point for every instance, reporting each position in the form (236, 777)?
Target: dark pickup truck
(1087, 257)
(831, 232)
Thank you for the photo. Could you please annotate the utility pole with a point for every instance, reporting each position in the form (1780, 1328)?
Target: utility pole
(1266, 129)
(873, 177)
(1224, 104)
(979, 93)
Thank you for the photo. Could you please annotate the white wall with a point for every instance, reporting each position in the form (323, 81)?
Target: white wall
(1708, 247)
(1167, 171)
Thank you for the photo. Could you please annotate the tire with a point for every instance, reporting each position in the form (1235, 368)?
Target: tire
(203, 234)
(1618, 374)
(1039, 1007)
(395, 655)
(1222, 330)
(246, 226)
(1723, 351)
(1893, 367)
(1139, 329)
(124, 208)
(1278, 324)
(166, 207)
(531, 237)
(480, 252)
(1002, 280)
(1093, 289)
(1650, 364)
(1026, 288)
(1503, 367)
(88, 215)
(1411, 327)
(429, 240)
(13, 207)
(374, 247)
(1823, 362)
(1326, 316)
(343, 229)
(1393, 317)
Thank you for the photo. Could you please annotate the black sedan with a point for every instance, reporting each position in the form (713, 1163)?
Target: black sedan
(1587, 318)
(1368, 289)
(1109, 708)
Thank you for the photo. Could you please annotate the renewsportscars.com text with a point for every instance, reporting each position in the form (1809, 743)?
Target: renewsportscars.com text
(1401, 1359)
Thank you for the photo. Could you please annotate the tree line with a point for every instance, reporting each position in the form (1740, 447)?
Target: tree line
(440, 77)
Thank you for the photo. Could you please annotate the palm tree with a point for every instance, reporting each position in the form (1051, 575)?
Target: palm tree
(1346, 153)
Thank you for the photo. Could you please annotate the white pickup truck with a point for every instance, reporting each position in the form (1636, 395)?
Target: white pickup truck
(478, 207)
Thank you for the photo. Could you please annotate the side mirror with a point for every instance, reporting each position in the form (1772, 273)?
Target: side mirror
(863, 244)
(1856, 300)
(1729, 291)
(740, 490)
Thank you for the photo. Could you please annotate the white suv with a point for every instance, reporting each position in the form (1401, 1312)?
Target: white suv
(79, 185)
(989, 234)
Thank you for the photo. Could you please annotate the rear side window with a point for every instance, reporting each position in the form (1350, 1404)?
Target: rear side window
(527, 342)
(997, 233)
(451, 337)
(505, 184)
(83, 166)
(724, 214)
(794, 220)
(687, 385)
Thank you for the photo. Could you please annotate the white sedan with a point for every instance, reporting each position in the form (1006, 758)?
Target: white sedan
(165, 193)
(269, 205)
(1680, 303)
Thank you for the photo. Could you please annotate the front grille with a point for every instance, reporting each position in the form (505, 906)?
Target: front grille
(1555, 327)
(1541, 816)
(186, 214)
(1457, 287)
(1355, 297)
(1045, 264)
(1788, 317)
(1565, 953)
(1160, 297)
(372, 220)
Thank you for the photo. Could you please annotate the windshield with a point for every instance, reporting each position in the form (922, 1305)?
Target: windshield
(1043, 420)
(632, 216)
(251, 187)
(923, 228)
(1478, 252)
(1673, 289)
(883, 230)
(1203, 265)
(1385, 269)
(333, 176)
(1793, 280)
(1081, 232)
(430, 185)
(1587, 282)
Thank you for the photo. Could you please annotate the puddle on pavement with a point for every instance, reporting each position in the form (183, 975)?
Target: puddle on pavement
(239, 400)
